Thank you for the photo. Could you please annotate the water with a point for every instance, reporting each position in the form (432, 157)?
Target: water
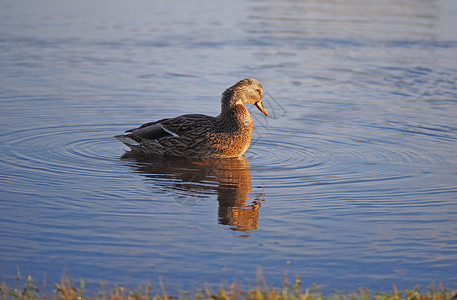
(351, 181)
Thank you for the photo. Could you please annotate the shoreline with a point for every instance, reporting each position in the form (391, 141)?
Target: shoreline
(71, 289)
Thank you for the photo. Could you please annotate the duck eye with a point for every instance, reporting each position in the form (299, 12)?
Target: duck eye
(258, 91)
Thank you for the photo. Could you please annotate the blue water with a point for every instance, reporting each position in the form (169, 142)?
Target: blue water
(351, 181)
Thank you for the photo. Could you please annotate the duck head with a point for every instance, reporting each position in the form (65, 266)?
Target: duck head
(246, 91)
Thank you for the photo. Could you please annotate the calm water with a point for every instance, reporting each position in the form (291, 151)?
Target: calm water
(351, 181)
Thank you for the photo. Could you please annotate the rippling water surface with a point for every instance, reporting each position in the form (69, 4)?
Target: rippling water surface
(351, 181)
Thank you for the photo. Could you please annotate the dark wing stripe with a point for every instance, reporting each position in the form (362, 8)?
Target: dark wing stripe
(153, 132)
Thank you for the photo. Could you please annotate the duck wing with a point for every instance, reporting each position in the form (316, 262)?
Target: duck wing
(182, 126)
(152, 131)
(183, 136)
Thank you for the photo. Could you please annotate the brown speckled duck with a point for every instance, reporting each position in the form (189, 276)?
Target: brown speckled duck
(201, 136)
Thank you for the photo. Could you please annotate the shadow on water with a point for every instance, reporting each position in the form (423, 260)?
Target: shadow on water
(191, 181)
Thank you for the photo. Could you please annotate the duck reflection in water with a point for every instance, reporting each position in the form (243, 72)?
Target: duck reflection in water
(190, 181)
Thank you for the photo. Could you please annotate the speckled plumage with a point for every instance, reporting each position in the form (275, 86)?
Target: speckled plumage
(195, 135)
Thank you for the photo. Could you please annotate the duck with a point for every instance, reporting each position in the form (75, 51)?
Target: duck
(227, 135)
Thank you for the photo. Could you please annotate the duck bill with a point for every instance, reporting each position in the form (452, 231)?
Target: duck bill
(261, 108)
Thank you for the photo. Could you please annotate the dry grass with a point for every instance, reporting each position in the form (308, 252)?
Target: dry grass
(66, 290)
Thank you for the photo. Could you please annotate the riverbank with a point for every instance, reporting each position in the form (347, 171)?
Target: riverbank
(68, 289)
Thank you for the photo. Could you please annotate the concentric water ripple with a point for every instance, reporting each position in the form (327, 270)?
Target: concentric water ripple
(299, 158)
(62, 149)
(271, 153)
